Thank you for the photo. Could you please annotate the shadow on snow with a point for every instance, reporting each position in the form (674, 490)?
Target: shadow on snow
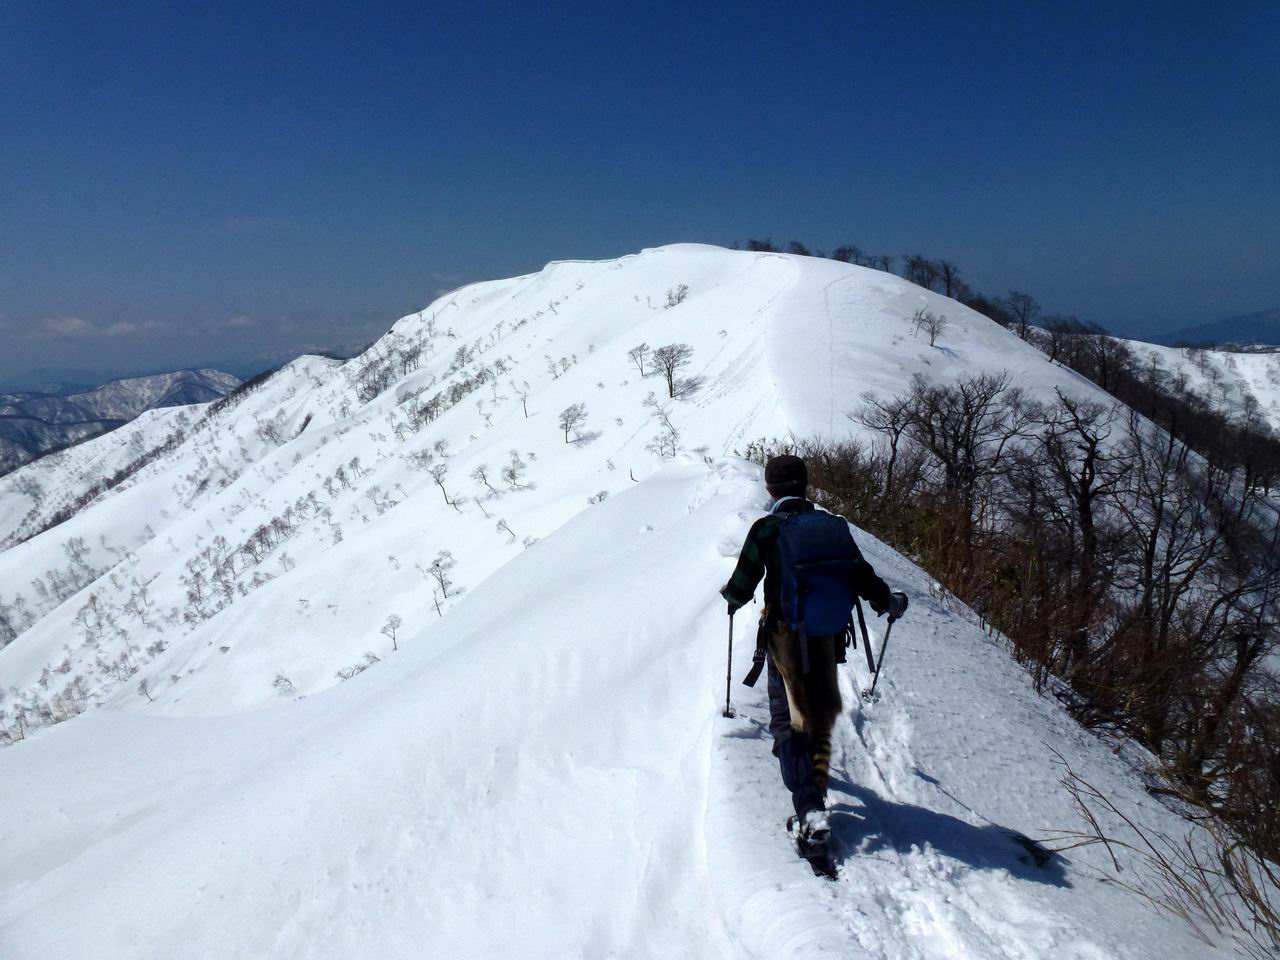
(880, 824)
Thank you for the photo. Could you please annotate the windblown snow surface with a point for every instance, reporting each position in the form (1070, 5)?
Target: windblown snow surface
(540, 768)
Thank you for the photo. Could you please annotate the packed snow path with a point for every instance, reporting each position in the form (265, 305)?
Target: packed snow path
(931, 787)
(551, 777)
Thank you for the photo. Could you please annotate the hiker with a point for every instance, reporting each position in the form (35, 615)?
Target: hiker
(813, 571)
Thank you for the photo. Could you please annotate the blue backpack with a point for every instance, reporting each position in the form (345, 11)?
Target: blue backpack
(817, 558)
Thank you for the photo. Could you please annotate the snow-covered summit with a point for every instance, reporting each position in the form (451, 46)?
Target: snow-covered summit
(355, 467)
(526, 752)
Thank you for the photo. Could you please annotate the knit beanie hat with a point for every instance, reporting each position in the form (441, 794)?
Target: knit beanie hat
(786, 476)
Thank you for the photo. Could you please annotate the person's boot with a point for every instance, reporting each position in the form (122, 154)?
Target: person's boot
(811, 833)
(815, 830)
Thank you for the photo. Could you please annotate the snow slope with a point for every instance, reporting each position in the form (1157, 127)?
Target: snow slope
(29, 498)
(32, 423)
(1227, 378)
(546, 773)
(534, 762)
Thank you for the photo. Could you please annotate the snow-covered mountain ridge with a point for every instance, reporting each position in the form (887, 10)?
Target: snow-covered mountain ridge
(1246, 386)
(552, 681)
(32, 423)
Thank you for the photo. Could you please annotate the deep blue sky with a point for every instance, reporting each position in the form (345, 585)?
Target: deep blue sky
(182, 182)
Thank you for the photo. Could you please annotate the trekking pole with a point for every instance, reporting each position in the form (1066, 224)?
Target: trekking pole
(870, 695)
(728, 673)
(862, 628)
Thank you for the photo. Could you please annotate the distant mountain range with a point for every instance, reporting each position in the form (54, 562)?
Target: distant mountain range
(64, 380)
(1247, 329)
(35, 422)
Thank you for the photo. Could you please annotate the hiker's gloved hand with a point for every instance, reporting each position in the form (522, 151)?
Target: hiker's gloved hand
(897, 605)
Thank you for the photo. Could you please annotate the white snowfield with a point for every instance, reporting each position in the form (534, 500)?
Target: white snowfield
(540, 769)
(1227, 378)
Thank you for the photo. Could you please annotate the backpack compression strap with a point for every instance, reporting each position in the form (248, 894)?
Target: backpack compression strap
(757, 658)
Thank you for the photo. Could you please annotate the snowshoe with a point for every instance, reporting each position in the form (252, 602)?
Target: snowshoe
(812, 839)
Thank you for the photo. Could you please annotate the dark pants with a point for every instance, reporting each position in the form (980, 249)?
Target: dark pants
(792, 749)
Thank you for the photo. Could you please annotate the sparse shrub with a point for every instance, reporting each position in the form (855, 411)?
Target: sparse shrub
(348, 672)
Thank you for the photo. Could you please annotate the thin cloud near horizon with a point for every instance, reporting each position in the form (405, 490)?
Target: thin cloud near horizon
(62, 328)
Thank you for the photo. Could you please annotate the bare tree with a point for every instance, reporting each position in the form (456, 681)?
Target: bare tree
(637, 355)
(949, 274)
(271, 431)
(849, 253)
(96, 620)
(968, 428)
(1104, 357)
(438, 473)
(390, 627)
(1060, 332)
(571, 417)
(930, 323)
(670, 359)
(523, 393)
(514, 471)
(921, 270)
(439, 571)
(481, 475)
(1024, 309)
(934, 327)
(667, 442)
(890, 419)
